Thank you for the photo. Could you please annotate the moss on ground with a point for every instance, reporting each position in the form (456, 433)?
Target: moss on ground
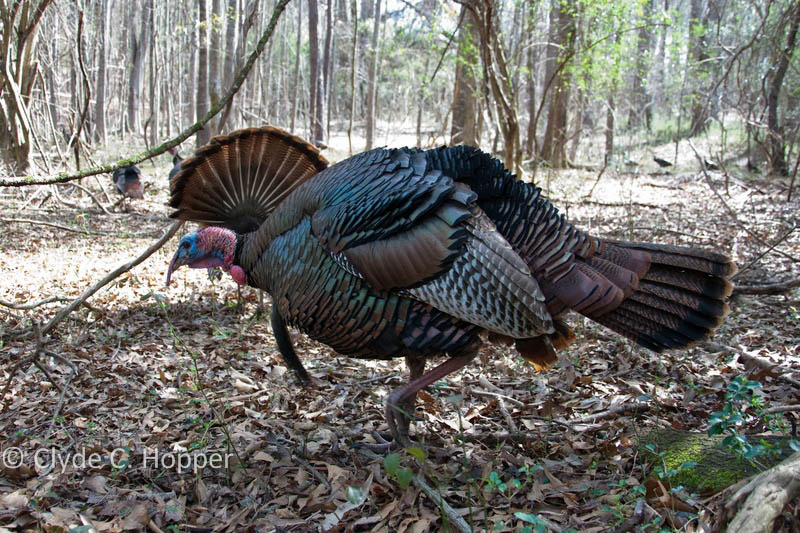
(716, 467)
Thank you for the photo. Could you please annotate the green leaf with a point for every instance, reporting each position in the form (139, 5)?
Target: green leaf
(417, 452)
(404, 476)
(390, 464)
(527, 517)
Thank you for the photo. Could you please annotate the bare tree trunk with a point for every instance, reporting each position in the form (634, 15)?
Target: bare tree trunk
(372, 88)
(190, 93)
(327, 70)
(230, 55)
(776, 147)
(641, 107)
(100, 89)
(463, 127)
(154, 97)
(497, 76)
(138, 48)
(296, 86)
(353, 67)
(18, 40)
(530, 140)
(555, 136)
(216, 25)
(315, 79)
(698, 57)
(201, 96)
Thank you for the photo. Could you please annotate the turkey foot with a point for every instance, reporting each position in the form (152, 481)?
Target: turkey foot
(400, 403)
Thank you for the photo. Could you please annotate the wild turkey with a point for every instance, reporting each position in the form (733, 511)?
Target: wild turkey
(415, 253)
(129, 183)
(663, 163)
(176, 162)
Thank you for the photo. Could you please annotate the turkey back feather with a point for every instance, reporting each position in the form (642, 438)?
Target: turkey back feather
(237, 180)
(660, 296)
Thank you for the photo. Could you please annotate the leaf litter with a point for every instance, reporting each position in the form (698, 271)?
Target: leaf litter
(181, 371)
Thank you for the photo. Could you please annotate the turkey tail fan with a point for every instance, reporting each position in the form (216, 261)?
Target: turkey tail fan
(678, 300)
(236, 180)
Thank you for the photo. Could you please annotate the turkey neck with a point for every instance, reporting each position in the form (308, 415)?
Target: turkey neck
(252, 248)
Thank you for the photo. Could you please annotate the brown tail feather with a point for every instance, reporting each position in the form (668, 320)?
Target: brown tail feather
(237, 180)
(679, 299)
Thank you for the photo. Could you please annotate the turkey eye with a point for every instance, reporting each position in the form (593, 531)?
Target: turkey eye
(185, 245)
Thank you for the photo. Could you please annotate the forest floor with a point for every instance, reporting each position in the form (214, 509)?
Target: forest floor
(165, 371)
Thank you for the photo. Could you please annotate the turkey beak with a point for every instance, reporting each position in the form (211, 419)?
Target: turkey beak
(178, 260)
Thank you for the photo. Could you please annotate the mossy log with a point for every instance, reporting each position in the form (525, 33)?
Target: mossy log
(717, 467)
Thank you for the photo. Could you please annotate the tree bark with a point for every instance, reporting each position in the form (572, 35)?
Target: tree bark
(138, 49)
(497, 76)
(775, 142)
(230, 55)
(698, 68)
(641, 107)
(315, 79)
(296, 85)
(463, 128)
(372, 88)
(353, 67)
(201, 96)
(531, 57)
(553, 149)
(216, 26)
(150, 12)
(18, 41)
(100, 89)
(327, 70)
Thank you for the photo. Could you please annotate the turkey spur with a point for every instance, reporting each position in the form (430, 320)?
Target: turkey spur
(416, 253)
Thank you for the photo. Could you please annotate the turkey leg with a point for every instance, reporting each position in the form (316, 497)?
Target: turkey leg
(400, 403)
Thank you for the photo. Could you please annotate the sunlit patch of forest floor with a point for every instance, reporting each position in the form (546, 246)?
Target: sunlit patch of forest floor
(162, 372)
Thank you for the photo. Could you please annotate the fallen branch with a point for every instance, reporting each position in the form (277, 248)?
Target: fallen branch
(768, 288)
(112, 276)
(762, 499)
(567, 201)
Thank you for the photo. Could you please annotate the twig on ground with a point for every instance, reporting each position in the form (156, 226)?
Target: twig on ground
(509, 399)
(25, 307)
(782, 409)
(596, 181)
(748, 360)
(609, 413)
(53, 225)
(419, 480)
